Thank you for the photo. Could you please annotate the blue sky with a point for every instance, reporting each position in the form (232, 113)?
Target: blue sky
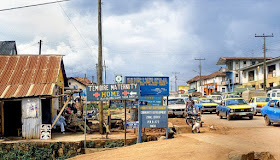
(144, 37)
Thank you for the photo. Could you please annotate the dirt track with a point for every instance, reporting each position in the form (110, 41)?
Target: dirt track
(236, 136)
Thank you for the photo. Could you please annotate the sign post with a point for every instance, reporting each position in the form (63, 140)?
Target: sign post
(154, 114)
(124, 122)
(109, 92)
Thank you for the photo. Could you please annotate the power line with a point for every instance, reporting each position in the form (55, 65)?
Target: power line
(33, 5)
(75, 27)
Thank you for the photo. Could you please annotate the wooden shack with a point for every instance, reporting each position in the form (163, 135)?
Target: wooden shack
(31, 89)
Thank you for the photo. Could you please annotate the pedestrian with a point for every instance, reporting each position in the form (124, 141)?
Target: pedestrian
(189, 104)
(60, 122)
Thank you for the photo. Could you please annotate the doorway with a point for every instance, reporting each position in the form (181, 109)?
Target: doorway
(12, 118)
(46, 111)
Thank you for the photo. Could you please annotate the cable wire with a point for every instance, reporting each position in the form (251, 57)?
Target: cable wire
(33, 5)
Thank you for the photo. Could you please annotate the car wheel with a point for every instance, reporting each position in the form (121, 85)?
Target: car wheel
(228, 117)
(267, 120)
(220, 115)
(251, 117)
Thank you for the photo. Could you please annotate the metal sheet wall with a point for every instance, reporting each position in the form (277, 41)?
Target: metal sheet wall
(31, 125)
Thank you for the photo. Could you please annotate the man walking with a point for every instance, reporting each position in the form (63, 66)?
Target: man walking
(189, 105)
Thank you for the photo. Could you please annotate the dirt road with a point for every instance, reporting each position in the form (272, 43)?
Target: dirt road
(236, 136)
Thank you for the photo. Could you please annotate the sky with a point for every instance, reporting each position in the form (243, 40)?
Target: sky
(143, 37)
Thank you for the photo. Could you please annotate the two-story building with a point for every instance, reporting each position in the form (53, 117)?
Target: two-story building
(209, 84)
(252, 76)
(233, 69)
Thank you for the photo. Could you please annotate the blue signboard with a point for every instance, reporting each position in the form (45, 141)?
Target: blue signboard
(152, 100)
(129, 104)
(113, 92)
(154, 116)
(151, 85)
(132, 124)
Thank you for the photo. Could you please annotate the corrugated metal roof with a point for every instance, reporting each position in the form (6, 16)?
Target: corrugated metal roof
(28, 75)
(222, 60)
(83, 80)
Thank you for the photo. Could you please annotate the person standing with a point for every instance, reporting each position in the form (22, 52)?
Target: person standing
(189, 104)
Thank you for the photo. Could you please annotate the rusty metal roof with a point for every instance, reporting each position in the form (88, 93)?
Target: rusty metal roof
(28, 75)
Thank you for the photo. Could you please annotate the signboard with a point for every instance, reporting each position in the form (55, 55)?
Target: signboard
(154, 116)
(151, 85)
(129, 104)
(132, 124)
(113, 92)
(118, 79)
(45, 131)
(183, 89)
(152, 100)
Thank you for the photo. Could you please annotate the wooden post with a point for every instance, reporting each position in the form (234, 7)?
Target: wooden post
(125, 123)
(2, 118)
(65, 104)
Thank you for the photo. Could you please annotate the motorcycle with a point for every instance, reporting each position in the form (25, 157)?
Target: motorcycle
(192, 118)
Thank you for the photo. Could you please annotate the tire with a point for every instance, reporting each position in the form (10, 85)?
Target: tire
(228, 117)
(251, 117)
(267, 120)
(220, 115)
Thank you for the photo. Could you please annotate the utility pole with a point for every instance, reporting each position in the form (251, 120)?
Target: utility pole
(264, 59)
(175, 73)
(40, 46)
(200, 59)
(105, 67)
(99, 73)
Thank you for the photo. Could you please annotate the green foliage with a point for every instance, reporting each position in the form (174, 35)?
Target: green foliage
(90, 144)
(109, 144)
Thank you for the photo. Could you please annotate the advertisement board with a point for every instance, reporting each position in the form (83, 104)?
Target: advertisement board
(113, 92)
(151, 85)
(183, 89)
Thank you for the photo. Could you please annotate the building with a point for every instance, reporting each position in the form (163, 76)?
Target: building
(79, 82)
(31, 91)
(209, 84)
(194, 84)
(214, 83)
(8, 48)
(233, 69)
(252, 76)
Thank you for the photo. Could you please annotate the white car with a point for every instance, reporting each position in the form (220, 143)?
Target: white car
(274, 94)
(217, 98)
(176, 107)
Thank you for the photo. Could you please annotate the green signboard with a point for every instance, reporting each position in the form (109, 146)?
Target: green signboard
(113, 92)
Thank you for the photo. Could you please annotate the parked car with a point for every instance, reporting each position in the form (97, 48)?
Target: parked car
(271, 112)
(274, 94)
(227, 96)
(216, 98)
(195, 99)
(205, 105)
(176, 107)
(235, 107)
(258, 103)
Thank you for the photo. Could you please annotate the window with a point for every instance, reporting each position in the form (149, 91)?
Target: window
(271, 104)
(244, 62)
(253, 62)
(236, 62)
(69, 83)
(223, 90)
(236, 75)
(273, 94)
